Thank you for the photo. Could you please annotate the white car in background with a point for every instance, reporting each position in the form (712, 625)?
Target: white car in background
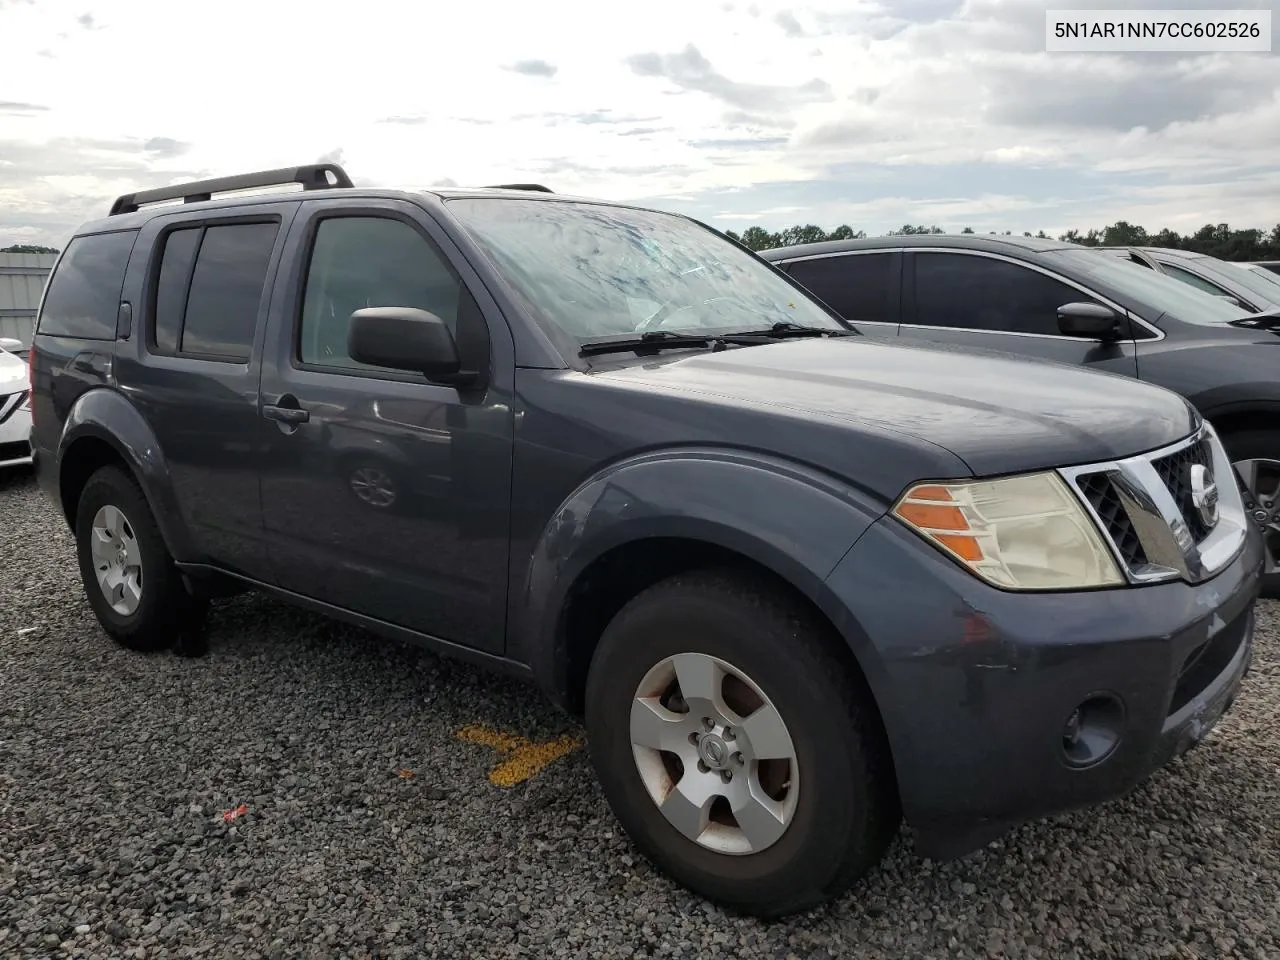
(15, 406)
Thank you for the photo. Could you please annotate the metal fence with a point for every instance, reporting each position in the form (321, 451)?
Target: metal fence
(22, 280)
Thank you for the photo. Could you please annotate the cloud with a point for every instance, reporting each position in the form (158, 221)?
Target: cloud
(692, 71)
(86, 20)
(789, 24)
(534, 68)
(166, 147)
(15, 107)
(48, 188)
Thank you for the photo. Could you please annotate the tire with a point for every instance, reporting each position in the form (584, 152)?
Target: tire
(1260, 445)
(845, 811)
(163, 600)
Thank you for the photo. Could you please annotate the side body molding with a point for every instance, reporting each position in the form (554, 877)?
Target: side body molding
(793, 520)
(104, 415)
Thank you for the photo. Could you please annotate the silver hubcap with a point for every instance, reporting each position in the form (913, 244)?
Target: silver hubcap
(373, 486)
(117, 561)
(714, 754)
(1262, 500)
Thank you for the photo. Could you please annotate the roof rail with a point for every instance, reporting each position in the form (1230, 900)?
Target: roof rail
(539, 188)
(314, 176)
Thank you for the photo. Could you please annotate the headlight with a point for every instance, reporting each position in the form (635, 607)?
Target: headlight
(1019, 533)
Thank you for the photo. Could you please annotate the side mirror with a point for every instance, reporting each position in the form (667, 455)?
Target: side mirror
(1234, 301)
(405, 338)
(1090, 320)
(11, 345)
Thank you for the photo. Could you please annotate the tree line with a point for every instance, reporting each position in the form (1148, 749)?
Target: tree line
(1214, 240)
(28, 248)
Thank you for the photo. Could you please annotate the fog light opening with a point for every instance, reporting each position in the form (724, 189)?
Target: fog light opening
(1092, 730)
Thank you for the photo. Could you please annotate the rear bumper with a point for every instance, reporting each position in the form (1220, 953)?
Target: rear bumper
(977, 685)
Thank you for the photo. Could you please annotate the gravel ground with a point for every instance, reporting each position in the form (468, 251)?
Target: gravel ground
(115, 769)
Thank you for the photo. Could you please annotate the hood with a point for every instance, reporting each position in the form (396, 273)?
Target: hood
(997, 413)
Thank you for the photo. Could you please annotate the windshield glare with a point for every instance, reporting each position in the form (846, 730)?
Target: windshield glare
(598, 271)
(1162, 292)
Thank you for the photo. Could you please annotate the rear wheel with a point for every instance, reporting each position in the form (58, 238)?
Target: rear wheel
(736, 750)
(129, 578)
(1255, 454)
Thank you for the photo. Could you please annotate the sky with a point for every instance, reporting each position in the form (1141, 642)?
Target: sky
(873, 113)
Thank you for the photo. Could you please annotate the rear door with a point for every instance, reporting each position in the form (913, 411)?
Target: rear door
(992, 302)
(386, 494)
(863, 286)
(193, 363)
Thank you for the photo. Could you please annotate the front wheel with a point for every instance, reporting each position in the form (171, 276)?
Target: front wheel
(1255, 454)
(735, 748)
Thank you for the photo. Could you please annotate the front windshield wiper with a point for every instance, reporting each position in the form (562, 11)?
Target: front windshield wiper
(650, 340)
(668, 339)
(785, 329)
(1267, 320)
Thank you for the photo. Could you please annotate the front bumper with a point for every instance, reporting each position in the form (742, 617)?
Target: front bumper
(15, 433)
(976, 685)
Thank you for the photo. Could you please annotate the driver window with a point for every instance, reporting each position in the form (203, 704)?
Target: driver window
(361, 262)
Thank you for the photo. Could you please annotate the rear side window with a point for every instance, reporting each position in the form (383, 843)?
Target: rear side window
(860, 286)
(84, 292)
(176, 261)
(209, 290)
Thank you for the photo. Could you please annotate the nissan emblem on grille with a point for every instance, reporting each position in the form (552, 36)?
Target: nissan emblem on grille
(1204, 494)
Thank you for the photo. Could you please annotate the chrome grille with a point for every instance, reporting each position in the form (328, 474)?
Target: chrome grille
(1144, 507)
(1105, 500)
(1175, 471)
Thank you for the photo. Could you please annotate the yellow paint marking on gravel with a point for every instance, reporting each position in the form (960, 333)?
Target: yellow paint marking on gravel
(522, 758)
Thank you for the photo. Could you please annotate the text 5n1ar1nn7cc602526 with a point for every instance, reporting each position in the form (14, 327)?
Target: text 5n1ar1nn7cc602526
(1158, 31)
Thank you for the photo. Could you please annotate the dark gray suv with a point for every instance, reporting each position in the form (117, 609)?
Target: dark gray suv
(799, 582)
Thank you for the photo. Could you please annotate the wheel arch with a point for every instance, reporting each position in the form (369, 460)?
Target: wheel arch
(102, 429)
(784, 526)
(1239, 417)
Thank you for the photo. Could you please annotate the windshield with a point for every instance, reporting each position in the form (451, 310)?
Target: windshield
(1157, 290)
(1257, 284)
(599, 271)
(1272, 280)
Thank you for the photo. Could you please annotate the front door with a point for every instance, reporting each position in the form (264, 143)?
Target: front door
(991, 302)
(385, 494)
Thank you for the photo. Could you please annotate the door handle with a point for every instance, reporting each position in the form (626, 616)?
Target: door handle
(285, 414)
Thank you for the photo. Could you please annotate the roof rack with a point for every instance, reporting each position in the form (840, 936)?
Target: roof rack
(314, 176)
(539, 188)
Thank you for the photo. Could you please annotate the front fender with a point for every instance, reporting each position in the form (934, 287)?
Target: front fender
(104, 415)
(795, 521)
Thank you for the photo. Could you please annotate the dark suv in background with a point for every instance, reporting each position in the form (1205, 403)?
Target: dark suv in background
(1073, 304)
(797, 581)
